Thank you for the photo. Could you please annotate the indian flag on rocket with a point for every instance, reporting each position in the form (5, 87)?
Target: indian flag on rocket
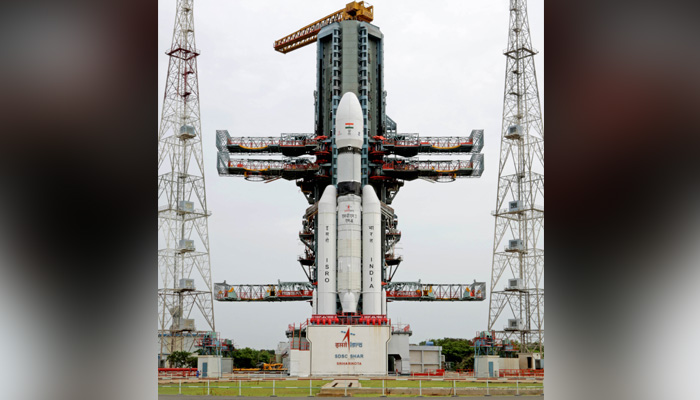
(349, 125)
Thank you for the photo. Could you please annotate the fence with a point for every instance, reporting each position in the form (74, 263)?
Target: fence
(299, 387)
(521, 373)
(430, 372)
(176, 372)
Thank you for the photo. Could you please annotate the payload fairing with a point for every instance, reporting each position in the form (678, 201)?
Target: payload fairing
(349, 260)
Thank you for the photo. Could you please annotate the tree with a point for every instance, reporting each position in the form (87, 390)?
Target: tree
(227, 353)
(245, 358)
(466, 363)
(264, 356)
(182, 359)
(192, 361)
(458, 351)
(455, 350)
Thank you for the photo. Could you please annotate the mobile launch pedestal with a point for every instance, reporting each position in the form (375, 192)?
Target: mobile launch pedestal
(348, 349)
(336, 350)
(350, 170)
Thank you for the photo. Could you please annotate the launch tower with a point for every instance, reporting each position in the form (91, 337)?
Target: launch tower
(350, 170)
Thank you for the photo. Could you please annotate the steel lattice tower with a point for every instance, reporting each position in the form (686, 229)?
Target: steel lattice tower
(183, 255)
(517, 277)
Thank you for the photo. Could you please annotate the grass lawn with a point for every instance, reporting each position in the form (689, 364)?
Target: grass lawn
(300, 388)
(444, 384)
(248, 388)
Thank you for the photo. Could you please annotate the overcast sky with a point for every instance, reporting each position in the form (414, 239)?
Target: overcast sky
(444, 75)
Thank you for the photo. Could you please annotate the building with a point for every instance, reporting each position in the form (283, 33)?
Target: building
(209, 366)
(425, 359)
(399, 354)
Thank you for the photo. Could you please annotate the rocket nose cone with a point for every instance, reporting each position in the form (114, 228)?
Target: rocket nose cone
(349, 122)
(349, 106)
(349, 98)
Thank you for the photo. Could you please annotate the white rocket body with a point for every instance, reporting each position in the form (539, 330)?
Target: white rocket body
(349, 252)
(371, 252)
(350, 263)
(326, 255)
(349, 137)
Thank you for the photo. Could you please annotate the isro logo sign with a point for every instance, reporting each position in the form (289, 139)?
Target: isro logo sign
(345, 342)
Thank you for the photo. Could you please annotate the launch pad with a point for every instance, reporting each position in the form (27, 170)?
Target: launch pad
(348, 349)
(337, 350)
(350, 170)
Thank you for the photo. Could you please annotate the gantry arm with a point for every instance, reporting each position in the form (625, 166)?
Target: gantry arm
(359, 11)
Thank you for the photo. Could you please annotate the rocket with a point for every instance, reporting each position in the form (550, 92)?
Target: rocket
(349, 252)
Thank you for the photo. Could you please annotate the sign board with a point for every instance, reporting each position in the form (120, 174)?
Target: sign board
(348, 349)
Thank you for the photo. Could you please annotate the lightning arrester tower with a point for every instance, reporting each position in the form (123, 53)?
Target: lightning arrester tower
(517, 277)
(183, 239)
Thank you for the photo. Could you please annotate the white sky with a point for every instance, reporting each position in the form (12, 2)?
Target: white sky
(444, 75)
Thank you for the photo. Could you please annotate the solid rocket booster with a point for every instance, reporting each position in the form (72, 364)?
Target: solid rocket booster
(325, 256)
(371, 252)
(349, 137)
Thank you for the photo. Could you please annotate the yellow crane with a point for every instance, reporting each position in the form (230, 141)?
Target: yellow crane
(356, 10)
(273, 367)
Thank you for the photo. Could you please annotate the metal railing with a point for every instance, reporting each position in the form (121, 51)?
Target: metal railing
(267, 385)
(504, 373)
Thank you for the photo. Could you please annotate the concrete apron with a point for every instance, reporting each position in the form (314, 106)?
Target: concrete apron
(343, 383)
